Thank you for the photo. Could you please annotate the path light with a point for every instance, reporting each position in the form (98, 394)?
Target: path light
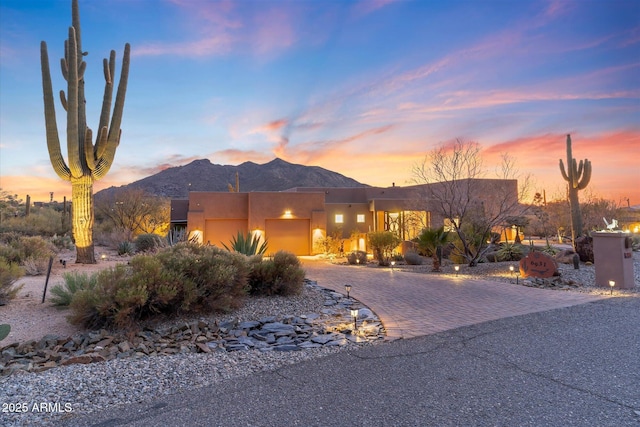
(392, 264)
(457, 268)
(612, 284)
(348, 289)
(517, 277)
(354, 314)
(103, 257)
(511, 269)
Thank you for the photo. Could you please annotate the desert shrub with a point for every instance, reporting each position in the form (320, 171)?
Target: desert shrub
(148, 242)
(62, 242)
(10, 272)
(247, 245)
(413, 258)
(126, 248)
(40, 222)
(35, 266)
(61, 295)
(357, 257)
(330, 245)
(20, 249)
(215, 279)
(282, 275)
(510, 252)
(383, 243)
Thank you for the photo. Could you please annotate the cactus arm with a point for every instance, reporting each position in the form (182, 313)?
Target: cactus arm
(109, 71)
(53, 139)
(118, 108)
(105, 160)
(63, 100)
(564, 174)
(88, 150)
(586, 177)
(73, 145)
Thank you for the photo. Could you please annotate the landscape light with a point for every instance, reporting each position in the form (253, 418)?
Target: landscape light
(392, 264)
(517, 277)
(354, 314)
(348, 289)
(511, 269)
(457, 269)
(612, 284)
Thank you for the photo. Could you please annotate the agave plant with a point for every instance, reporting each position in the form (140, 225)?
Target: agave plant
(248, 244)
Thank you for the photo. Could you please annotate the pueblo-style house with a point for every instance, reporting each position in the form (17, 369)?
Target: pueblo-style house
(297, 219)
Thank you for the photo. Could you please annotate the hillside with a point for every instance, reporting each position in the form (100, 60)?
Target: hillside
(202, 175)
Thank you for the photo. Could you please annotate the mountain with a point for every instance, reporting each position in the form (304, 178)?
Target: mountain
(202, 175)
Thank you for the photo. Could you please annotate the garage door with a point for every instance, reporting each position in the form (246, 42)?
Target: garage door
(291, 235)
(218, 231)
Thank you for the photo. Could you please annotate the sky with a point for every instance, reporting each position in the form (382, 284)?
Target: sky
(363, 88)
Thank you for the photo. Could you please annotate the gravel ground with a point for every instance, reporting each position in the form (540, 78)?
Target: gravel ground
(84, 389)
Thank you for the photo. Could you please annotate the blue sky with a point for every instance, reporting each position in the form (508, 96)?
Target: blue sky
(362, 88)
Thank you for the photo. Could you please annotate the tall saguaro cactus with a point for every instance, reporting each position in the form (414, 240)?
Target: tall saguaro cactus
(578, 176)
(87, 162)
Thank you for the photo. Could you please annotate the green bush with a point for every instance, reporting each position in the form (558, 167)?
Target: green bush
(383, 243)
(148, 242)
(413, 258)
(357, 257)
(62, 242)
(73, 282)
(282, 275)
(215, 278)
(9, 273)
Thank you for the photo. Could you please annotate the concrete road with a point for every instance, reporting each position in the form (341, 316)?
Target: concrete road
(571, 366)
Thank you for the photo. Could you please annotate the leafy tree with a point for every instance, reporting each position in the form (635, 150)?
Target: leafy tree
(383, 243)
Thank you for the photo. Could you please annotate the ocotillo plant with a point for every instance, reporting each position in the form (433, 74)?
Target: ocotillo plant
(577, 175)
(86, 162)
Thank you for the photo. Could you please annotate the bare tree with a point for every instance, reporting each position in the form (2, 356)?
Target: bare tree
(136, 212)
(471, 205)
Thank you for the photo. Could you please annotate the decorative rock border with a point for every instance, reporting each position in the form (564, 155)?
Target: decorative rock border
(333, 326)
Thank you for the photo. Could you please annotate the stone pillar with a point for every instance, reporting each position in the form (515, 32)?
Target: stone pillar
(613, 259)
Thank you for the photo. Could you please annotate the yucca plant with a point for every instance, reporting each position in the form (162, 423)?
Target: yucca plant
(248, 244)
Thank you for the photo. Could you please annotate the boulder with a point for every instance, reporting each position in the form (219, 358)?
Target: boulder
(538, 264)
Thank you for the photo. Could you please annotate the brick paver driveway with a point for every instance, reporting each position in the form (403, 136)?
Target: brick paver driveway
(414, 304)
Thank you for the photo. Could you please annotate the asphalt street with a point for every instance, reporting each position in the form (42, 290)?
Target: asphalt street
(572, 366)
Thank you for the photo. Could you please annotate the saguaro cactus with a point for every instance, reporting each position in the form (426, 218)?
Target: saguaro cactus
(87, 162)
(578, 176)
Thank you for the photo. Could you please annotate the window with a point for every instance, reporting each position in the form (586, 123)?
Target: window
(360, 218)
(339, 219)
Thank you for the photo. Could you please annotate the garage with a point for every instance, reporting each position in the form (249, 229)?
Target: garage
(292, 235)
(219, 231)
